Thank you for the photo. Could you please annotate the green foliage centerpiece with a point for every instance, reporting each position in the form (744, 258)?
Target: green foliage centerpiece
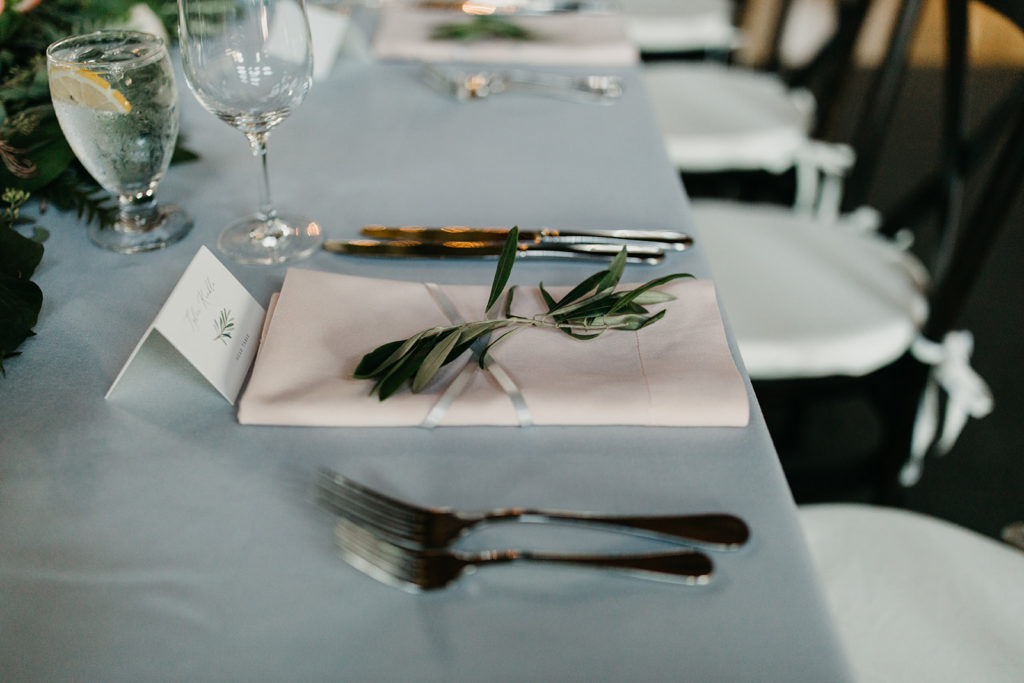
(588, 310)
(34, 157)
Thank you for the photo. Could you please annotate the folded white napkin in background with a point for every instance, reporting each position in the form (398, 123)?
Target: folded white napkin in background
(678, 371)
(568, 39)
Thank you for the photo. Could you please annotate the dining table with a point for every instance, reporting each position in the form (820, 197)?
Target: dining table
(152, 536)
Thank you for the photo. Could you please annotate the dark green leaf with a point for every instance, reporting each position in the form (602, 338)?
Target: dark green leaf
(46, 148)
(614, 272)
(548, 299)
(579, 290)
(595, 301)
(434, 359)
(580, 335)
(20, 302)
(654, 318)
(19, 255)
(485, 357)
(400, 374)
(370, 363)
(504, 268)
(508, 301)
(634, 294)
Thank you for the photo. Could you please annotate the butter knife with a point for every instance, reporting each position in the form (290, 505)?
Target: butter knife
(645, 254)
(663, 239)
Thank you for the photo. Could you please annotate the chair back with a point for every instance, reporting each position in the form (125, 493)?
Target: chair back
(832, 65)
(964, 234)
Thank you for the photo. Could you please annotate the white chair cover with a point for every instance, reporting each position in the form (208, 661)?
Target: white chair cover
(718, 118)
(807, 297)
(665, 26)
(916, 598)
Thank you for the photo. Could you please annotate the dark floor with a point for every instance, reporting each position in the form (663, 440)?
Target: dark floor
(980, 484)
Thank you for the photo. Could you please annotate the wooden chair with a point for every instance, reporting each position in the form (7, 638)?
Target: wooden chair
(736, 130)
(828, 311)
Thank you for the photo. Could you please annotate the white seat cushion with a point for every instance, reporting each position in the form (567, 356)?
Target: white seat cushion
(658, 26)
(916, 598)
(719, 118)
(808, 299)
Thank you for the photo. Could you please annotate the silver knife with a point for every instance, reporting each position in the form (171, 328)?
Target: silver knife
(663, 239)
(645, 254)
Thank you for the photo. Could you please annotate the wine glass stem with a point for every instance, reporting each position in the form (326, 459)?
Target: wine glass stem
(137, 211)
(258, 141)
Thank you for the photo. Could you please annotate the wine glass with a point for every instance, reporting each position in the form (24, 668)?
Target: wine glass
(250, 63)
(114, 96)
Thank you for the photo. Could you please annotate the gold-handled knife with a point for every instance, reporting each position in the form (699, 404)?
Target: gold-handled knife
(664, 239)
(527, 7)
(645, 254)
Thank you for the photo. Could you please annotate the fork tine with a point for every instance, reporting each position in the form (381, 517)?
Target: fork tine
(375, 509)
(371, 498)
(383, 561)
(344, 499)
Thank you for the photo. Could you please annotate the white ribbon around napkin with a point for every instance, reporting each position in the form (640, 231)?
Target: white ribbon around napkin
(570, 39)
(677, 372)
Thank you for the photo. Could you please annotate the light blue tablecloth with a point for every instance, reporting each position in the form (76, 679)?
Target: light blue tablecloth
(151, 537)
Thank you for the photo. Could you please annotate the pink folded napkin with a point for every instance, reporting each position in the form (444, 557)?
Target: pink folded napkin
(678, 371)
(559, 40)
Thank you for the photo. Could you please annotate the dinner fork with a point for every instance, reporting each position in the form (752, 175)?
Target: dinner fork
(417, 570)
(406, 523)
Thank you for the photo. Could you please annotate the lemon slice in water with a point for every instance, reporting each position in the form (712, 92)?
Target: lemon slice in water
(84, 87)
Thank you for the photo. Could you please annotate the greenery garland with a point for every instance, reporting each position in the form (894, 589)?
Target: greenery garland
(35, 159)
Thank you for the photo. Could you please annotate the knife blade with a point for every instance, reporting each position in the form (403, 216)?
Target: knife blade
(663, 239)
(645, 254)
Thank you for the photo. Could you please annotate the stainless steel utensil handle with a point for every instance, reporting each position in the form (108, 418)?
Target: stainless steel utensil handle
(727, 531)
(690, 567)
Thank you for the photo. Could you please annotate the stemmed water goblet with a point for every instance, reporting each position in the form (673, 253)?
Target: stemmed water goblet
(250, 63)
(115, 99)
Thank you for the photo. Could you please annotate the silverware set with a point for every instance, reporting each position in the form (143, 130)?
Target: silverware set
(478, 85)
(642, 246)
(406, 545)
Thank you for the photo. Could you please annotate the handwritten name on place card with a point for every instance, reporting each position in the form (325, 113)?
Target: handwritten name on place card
(211, 320)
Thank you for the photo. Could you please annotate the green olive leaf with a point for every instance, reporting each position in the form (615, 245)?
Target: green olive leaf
(434, 360)
(505, 263)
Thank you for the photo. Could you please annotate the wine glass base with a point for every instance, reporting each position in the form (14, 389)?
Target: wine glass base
(170, 225)
(254, 240)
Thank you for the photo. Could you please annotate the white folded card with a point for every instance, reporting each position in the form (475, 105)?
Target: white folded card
(567, 39)
(211, 320)
(679, 371)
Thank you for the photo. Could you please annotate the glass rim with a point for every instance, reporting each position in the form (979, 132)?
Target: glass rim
(106, 35)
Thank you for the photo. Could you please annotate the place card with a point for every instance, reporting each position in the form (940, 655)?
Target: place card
(211, 320)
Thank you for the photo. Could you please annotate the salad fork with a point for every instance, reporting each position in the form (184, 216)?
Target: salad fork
(406, 523)
(416, 570)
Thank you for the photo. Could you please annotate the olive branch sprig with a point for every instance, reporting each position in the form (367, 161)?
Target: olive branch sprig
(587, 311)
(481, 27)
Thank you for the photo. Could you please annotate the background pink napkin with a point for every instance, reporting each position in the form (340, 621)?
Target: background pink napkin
(678, 371)
(561, 39)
